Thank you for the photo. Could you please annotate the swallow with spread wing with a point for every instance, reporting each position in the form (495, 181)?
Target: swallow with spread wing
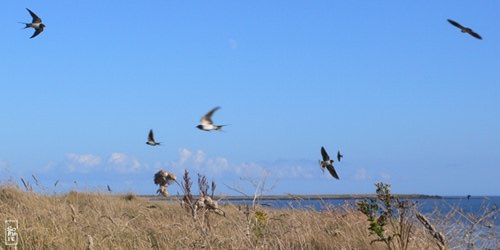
(207, 124)
(465, 29)
(327, 163)
(35, 24)
(151, 139)
(339, 156)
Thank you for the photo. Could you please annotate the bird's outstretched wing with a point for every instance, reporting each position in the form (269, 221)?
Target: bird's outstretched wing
(332, 171)
(474, 34)
(325, 155)
(151, 136)
(456, 24)
(36, 19)
(207, 119)
(37, 32)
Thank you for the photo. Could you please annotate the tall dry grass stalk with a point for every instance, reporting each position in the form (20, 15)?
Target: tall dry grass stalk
(27, 185)
(440, 240)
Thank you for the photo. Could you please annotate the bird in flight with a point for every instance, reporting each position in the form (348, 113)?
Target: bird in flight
(339, 156)
(327, 163)
(465, 29)
(151, 139)
(35, 24)
(207, 124)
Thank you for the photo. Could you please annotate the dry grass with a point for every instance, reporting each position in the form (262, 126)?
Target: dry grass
(103, 221)
(440, 241)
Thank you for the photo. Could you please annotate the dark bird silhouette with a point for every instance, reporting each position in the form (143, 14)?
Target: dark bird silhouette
(327, 163)
(109, 189)
(339, 156)
(35, 24)
(468, 197)
(465, 29)
(206, 122)
(151, 139)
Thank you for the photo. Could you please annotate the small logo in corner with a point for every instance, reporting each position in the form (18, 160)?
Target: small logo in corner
(11, 234)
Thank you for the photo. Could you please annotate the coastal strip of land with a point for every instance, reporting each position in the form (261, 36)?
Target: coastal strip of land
(297, 197)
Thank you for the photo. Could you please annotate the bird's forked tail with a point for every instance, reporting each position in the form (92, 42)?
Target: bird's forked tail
(27, 25)
(219, 127)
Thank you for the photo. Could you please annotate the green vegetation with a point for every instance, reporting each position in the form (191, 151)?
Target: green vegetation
(388, 210)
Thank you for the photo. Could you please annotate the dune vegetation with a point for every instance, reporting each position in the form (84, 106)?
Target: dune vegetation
(109, 221)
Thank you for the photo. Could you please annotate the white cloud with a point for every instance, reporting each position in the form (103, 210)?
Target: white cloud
(183, 161)
(82, 163)
(361, 174)
(50, 166)
(294, 172)
(184, 155)
(199, 157)
(217, 166)
(199, 163)
(86, 160)
(249, 170)
(123, 163)
(280, 169)
(118, 158)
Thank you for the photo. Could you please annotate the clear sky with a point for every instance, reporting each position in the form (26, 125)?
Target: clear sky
(407, 98)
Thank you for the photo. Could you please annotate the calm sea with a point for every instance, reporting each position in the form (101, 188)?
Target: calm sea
(476, 205)
(444, 203)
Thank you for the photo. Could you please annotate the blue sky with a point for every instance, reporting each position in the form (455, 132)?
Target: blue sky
(407, 97)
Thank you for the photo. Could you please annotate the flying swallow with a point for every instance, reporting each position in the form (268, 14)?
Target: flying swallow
(465, 29)
(207, 124)
(339, 156)
(35, 24)
(327, 163)
(109, 188)
(151, 139)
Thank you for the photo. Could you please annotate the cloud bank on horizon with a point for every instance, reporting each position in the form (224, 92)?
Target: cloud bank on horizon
(96, 172)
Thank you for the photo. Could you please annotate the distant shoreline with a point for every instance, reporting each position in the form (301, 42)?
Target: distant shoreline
(305, 197)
